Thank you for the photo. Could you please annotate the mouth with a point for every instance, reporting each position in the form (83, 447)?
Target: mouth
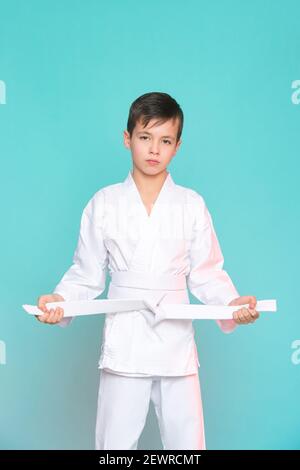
(152, 161)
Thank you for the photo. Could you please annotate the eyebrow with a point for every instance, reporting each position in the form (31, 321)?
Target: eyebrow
(149, 133)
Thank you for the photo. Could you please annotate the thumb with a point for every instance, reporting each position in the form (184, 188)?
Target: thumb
(245, 299)
(42, 302)
(252, 302)
(248, 299)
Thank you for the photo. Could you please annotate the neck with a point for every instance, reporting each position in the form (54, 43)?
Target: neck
(149, 184)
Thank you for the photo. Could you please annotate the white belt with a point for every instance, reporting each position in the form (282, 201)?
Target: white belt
(149, 282)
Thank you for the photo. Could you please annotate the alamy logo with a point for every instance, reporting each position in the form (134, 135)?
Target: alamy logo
(2, 353)
(295, 357)
(296, 94)
(2, 92)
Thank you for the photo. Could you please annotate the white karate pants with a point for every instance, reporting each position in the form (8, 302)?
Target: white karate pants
(123, 404)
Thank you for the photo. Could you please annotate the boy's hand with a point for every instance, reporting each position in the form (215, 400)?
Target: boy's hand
(245, 315)
(50, 316)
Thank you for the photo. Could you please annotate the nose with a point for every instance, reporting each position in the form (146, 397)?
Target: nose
(154, 147)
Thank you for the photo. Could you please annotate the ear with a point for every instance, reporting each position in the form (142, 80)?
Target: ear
(126, 139)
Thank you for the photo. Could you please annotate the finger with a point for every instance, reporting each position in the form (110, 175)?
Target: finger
(254, 314)
(247, 315)
(245, 299)
(44, 317)
(252, 302)
(42, 307)
(236, 317)
(42, 300)
(241, 316)
(251, 318)
(58, 314)
(55, 316)
(51, 316)
(61, 313)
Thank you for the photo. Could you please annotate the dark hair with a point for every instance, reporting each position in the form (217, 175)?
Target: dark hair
(154, 105)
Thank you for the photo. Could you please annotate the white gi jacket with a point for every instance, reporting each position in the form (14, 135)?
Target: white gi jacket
(177, 239)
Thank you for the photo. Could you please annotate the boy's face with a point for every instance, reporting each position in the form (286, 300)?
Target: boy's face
(155, 142)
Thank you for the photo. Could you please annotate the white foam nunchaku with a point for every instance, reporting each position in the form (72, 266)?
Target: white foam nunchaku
(162, 311)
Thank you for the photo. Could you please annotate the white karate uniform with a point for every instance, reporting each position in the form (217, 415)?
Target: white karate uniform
(166, 252)
(123, 404)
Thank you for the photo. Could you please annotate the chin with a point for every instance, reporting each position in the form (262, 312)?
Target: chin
(153, 171)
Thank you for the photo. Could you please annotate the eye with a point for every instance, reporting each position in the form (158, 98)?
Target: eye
(168, 141)
(143, 137)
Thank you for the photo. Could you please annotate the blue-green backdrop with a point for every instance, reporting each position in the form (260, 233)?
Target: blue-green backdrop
(69, 71)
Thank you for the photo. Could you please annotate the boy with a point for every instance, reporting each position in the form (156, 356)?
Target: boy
(155, 237)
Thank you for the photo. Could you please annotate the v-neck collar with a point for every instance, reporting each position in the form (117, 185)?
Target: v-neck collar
(131, 184)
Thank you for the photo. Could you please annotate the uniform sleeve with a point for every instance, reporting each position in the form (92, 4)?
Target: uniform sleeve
(207, 280)
(85, 279)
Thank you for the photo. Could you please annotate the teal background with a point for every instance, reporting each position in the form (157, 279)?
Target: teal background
(72, 69)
